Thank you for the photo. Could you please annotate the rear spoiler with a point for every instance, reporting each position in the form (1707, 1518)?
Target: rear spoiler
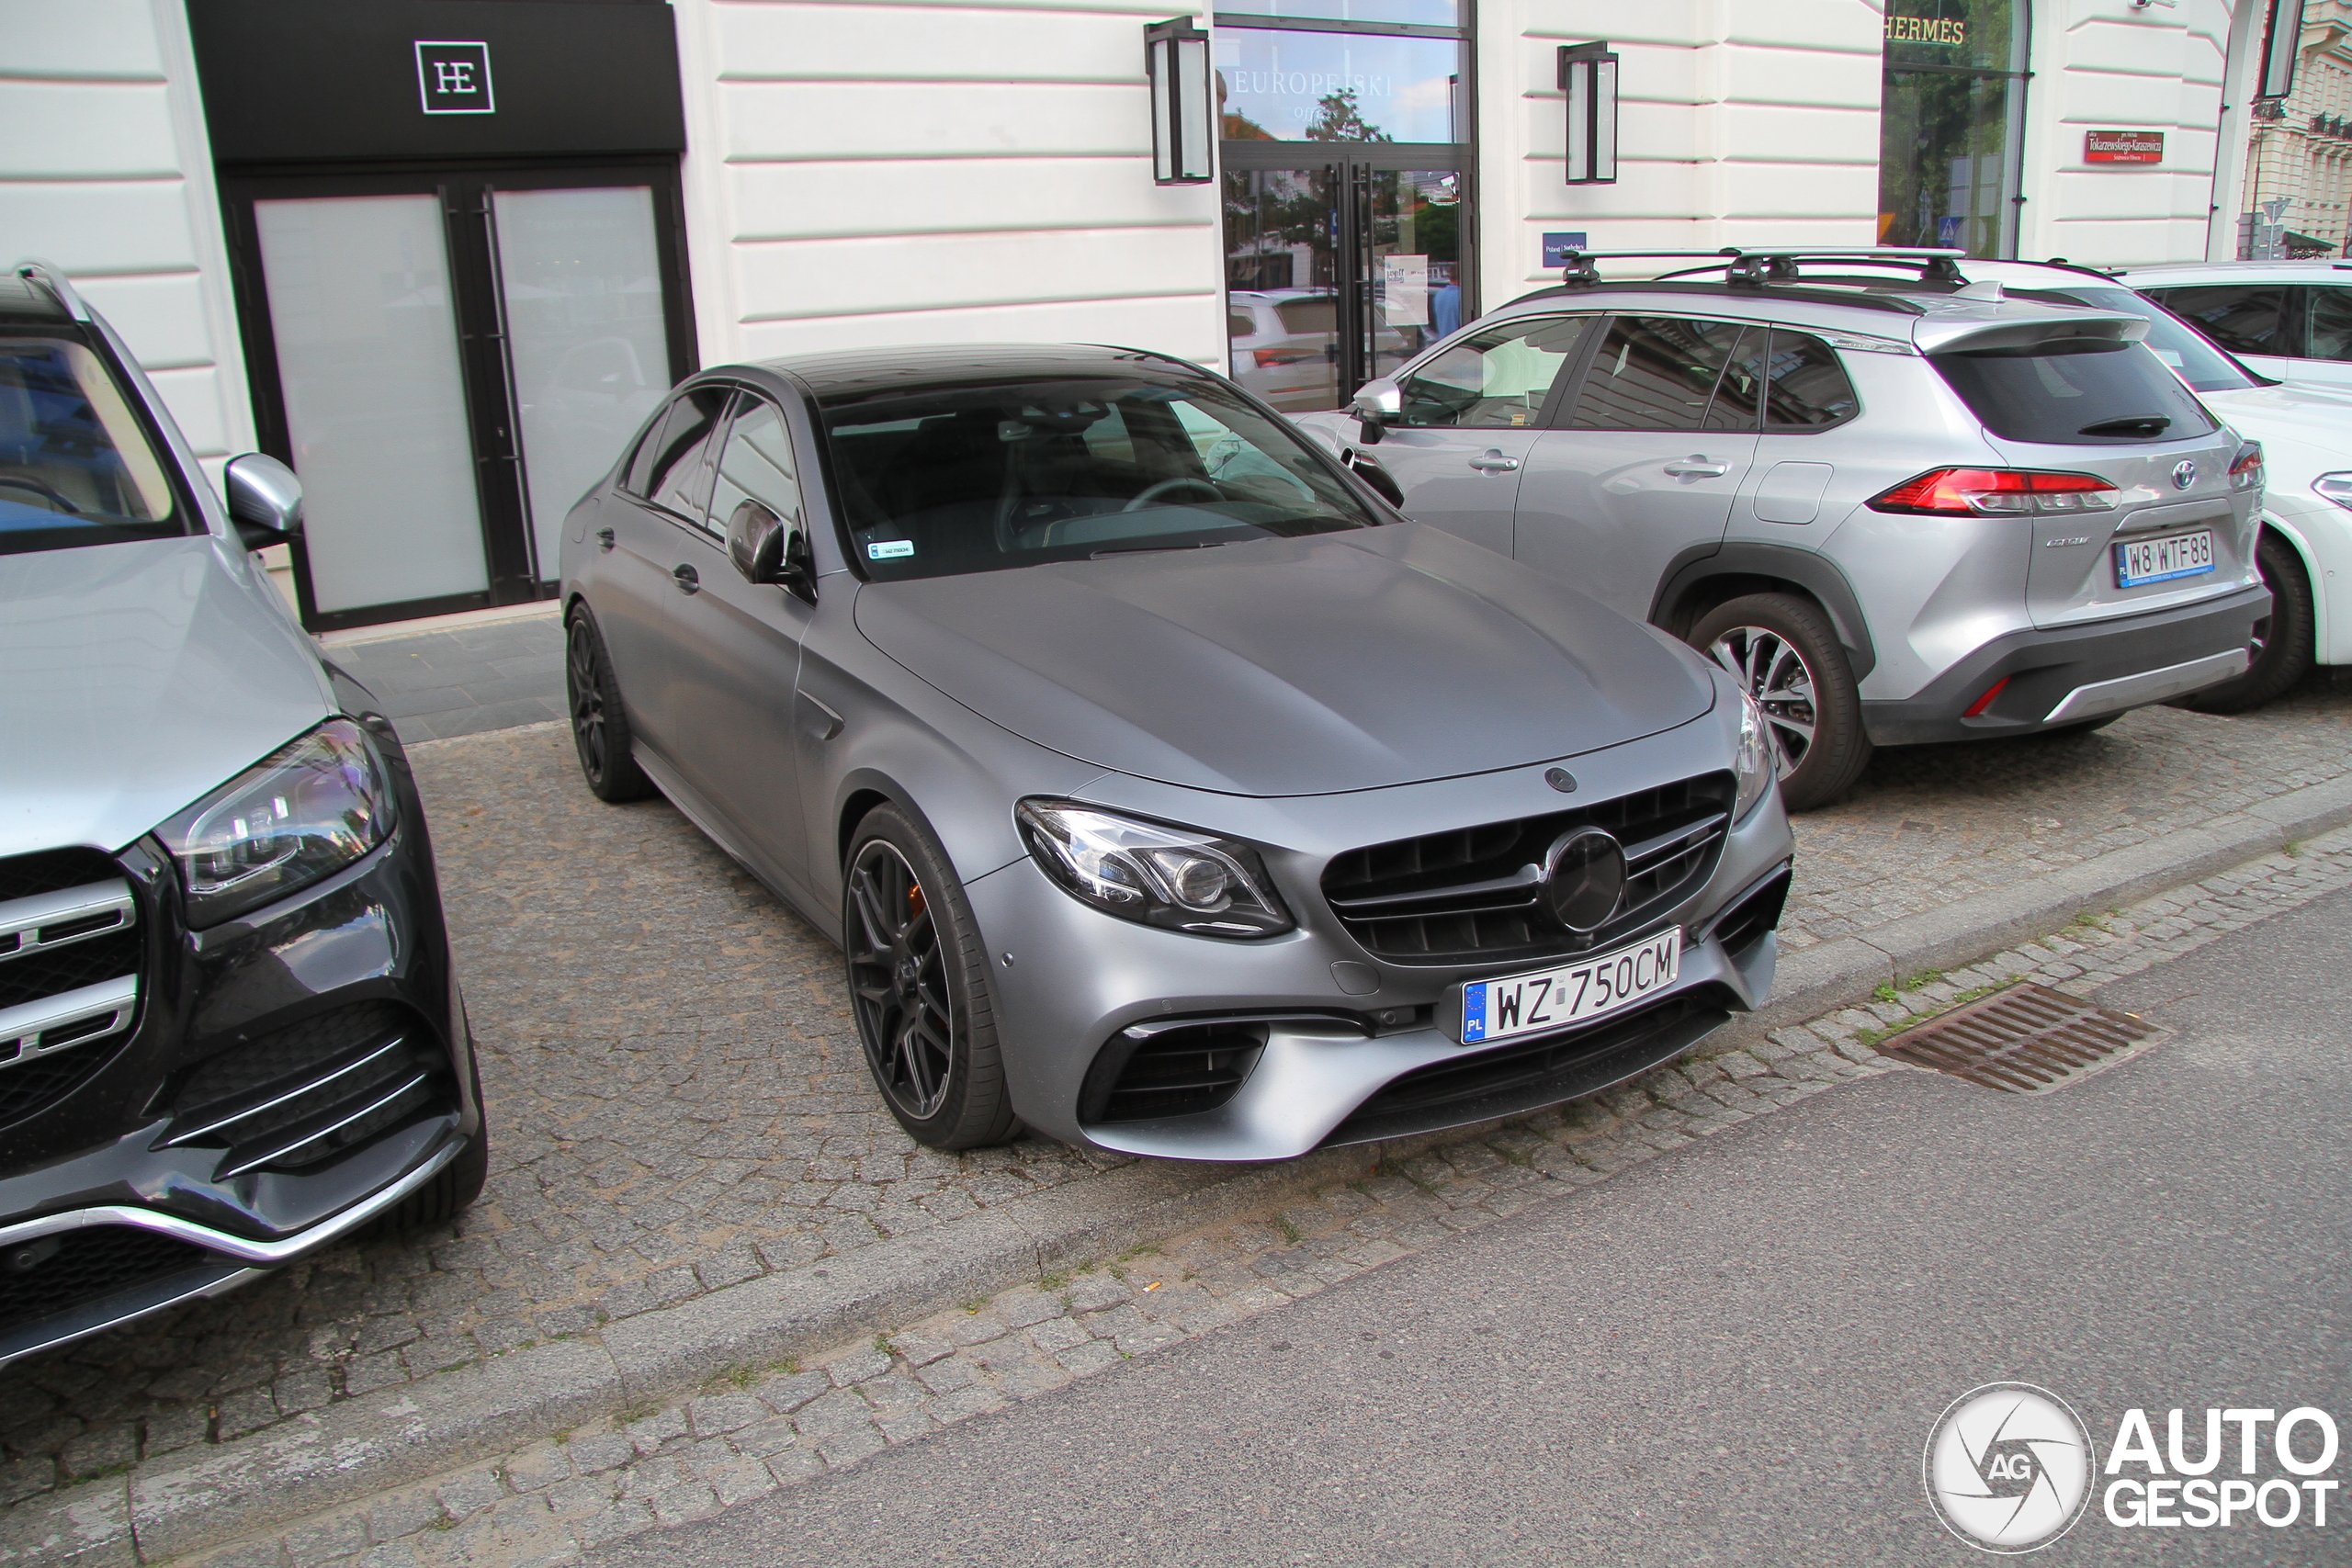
(2026, 325)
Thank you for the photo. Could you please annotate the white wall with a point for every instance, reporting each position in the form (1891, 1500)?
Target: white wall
(867, 172)
(105, 171)
(1740, 121)
(2108, 65)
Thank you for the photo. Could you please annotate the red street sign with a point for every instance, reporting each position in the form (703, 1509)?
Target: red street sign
(2123, 146)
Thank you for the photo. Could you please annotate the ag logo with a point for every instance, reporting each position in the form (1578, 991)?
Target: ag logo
(2008, 1468)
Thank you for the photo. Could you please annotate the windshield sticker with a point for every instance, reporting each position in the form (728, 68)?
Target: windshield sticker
(891, 550)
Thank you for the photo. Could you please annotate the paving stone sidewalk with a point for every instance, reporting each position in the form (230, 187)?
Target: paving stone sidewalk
(678, 1103)
(465, 679)
(765, 1428)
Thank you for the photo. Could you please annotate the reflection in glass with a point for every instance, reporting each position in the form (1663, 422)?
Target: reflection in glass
(582, 295)
(1424, 12)
(1288, 86)
(1280, 270)
(1416, 287)
(1973, 34)
(375, 407)
(1944, 160)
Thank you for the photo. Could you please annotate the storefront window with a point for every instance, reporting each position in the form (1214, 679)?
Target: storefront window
(1334, 86)
(1951, 123)
(1422, 13)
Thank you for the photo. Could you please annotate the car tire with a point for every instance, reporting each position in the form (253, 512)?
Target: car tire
(2284, 640)
(600, 731)
(1783, 650)
(919, 986)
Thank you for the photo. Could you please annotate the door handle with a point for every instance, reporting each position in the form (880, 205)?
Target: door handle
(1494, 463)
(604, 538)
(1695, 466)
(688, 580)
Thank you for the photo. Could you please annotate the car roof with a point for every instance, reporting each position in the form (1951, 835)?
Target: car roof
(1899, 307)
(26, 300)
(846, 376)
(2320, 269)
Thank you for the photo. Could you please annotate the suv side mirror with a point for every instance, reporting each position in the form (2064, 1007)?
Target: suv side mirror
(1378, 404)
(764, 550)
(265, 501)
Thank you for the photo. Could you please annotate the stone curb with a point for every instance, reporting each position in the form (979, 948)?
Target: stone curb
(360, 1446)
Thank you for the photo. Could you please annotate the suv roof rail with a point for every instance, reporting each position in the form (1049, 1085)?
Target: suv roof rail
(51, 276)
(1857, 300)
(1770, 264)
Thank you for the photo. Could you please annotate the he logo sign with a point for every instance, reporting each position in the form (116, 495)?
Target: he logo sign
(453, 77)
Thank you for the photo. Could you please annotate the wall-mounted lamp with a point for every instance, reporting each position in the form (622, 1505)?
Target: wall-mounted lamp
(1588, 75)
(2279, 44)
(1176, 53)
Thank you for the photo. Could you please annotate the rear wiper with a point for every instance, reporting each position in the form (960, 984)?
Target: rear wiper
(2130, 425)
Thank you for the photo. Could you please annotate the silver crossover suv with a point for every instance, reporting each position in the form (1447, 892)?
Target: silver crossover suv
(1164, 790)
(229, 1029)
(1900, 514)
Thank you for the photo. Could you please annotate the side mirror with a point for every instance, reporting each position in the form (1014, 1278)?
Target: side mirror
(265, 501)
(1379, 403)
(764, 550)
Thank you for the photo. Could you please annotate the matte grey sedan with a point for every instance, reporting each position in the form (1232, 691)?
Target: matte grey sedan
(1167, 791)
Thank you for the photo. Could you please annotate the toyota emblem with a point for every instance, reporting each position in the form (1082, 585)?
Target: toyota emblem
(2184, 475)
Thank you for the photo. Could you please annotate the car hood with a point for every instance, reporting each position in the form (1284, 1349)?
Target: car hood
(1283, 667)
(2307, 427)
(139, 676)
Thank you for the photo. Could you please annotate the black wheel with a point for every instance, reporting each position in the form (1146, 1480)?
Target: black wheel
(919, 986)
(2283, 640)
(1783, 650)
(599, 723)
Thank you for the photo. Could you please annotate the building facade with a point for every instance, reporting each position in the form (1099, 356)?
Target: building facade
(2298, 158)
(443, 255)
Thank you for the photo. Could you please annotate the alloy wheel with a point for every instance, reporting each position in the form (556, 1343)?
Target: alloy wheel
(1771, 669)
(587, 697)
(899, 981)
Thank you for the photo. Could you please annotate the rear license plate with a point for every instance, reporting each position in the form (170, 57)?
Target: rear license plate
(2142, 561)
(1573, 993)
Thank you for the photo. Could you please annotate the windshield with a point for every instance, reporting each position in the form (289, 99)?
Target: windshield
(75, 466)
(955, 479)
(2172, 340)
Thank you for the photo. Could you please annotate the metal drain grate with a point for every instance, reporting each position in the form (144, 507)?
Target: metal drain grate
(2026, 1039)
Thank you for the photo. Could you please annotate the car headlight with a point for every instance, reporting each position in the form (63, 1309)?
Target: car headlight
(1752, 762)
(306, 810)
(2337, 488)
(1151, 873)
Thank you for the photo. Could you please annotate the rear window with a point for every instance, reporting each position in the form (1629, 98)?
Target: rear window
(2111, 396)
(77, 466)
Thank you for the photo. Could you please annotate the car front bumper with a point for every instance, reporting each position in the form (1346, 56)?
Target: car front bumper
(2064, 675)
(1355, 1047)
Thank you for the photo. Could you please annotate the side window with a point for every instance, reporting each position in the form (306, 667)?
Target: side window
(1653, 373)
(1742, 382)
(2242, 319)
(1497, 378)
(675, 472)
(1805, 387)
(2328, 324)
(757, 465)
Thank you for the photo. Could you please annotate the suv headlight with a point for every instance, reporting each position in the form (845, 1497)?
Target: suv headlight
(2337, 488)
(1753, 762)
(1152, 873)
(306, 810)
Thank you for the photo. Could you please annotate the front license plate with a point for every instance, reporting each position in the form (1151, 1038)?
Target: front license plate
(2142, 561)
(1575, 993)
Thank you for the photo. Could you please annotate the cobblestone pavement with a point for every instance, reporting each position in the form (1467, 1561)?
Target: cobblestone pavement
(466, 679)
(678, 1103)
(777, 1426)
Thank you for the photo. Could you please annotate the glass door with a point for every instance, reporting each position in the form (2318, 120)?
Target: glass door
(1337, 272)
(448, 361)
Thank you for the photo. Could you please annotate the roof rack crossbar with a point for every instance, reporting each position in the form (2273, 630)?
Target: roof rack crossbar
(1769, 264)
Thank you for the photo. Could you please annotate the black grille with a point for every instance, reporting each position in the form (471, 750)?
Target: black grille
(1476, 892)
(40, 1278)
(29, 1085)
(32, 1086)
(55, 970)
(53, 871)
(307, 1092)
(1173, 1071)
(1759, 912)
(1512, 1078)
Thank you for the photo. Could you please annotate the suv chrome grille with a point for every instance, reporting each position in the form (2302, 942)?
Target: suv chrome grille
(69, 972)
(1477, 892)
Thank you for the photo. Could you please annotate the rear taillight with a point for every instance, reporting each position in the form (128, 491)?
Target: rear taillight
(1951, 492)
(2245, 468)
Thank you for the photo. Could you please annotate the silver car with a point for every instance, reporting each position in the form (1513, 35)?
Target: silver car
(1903, 507)
(1166, 791)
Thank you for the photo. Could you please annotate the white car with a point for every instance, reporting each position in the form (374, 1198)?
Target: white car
(2290, 320)
(2305, 429)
